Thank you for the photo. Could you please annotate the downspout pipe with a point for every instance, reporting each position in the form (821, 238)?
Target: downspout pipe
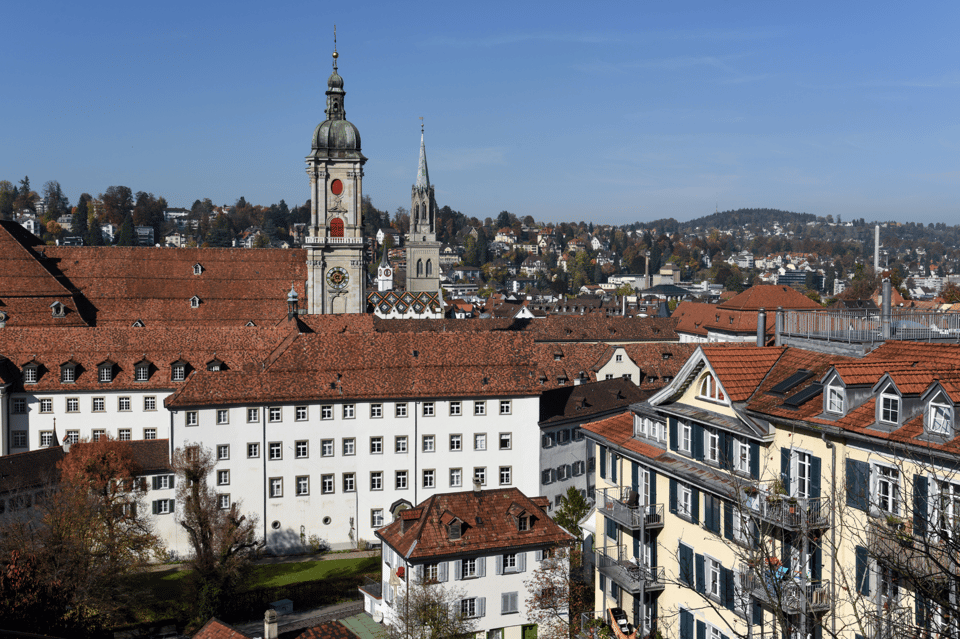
(885, 313)
(833, 534)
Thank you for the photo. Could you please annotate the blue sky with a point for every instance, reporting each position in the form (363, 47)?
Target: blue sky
(611, 113)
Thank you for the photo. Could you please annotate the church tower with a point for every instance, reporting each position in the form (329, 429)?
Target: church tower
(423, 250)
(385, 273)
(334, 243)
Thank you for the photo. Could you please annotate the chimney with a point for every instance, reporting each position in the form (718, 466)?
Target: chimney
(885, 310)
(476, 486)
(761, 327)
(293, 302)
(270, 630)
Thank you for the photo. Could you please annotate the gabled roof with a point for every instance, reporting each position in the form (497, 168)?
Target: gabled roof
(489, 525)
(741, 369)
(216, 629)
(769, 297)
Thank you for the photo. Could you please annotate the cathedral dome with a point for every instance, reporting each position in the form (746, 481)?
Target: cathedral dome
(336, 135)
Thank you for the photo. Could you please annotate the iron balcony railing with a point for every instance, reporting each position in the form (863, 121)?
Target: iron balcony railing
(857, 327)
(621, 503)
(793, 513)
(328, 241)
(630, 573)
(778, 587)
(891, 624)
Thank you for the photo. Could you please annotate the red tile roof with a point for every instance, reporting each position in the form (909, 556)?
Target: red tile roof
(216, 629)
(618, 430)
(489, 524)
(741, 369)
(327, 630)
(768, 296)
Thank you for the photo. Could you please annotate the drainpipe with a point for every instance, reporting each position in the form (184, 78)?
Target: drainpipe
(761, 327)
(263, 458)
(833, 535)
(885, 310)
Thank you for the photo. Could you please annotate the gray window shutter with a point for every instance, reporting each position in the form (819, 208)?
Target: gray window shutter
(602, 454)
(155, 507)
(521, 562)
(173, 479)
(499, 565)
(785, 458)
(458, 570)
(156, 483)
(481, 606)
(443, 571)
(701, 578)
(482, 567)
(754, 460)
(695, 505)
(173, 505)
(673, 495)
(504, 602)
(920, 505)
(539, 555)
(728, 519)
(814, 477)
(419, 570)
(858, 484)
(862, 571)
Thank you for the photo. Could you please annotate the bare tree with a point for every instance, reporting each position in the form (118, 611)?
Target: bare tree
(426, 609)
(556, 595)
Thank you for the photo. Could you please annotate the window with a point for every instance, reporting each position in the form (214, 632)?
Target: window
(349, 446)
(73, 405)
(429, 478)
(223, 501)
(149, 403)
(178, 372)
(303, 449)
(276, 450)
(124, 434)
(479, 408)
(29, 374)
(741, 530)
(505, 475)
(480, 476)
(98, 434)
(429, 443)
(376, 517)
(563, 436)
(577, 435)
(889, 408)
(191, 418)
(253, 415)
(376, 411)
(46, 405)
(741, 456)
(684, 501)
(947, 509)
(163, 482)
(431, 573)
(19, 405)
(141, 373)
(253, 450)
(401, 480)
(326, 485)
(194, 302)
(480, 441)
(711, 445)
(400, 444)
(712, 570)
(68, 374)
(149, 433)
(454, 409)
(274, 414)
(223, 451)
(401, 410)
(455, 442)
(376, 445)
(505, 441)
(326, 412)
(428, 409)
(19, 439)
(123, 403)
(456, 477)
(349, 482)
(300, 413)
(163, 506)
(223, 416)
(578, 467)
(326, 448)
(888, 489)
(710, 389)
(469, 568)
(618, 357)
(72, 437)
(608, 376)
(940, 419)
(834, 399)
(223, 477)
(46, 438)
(685, 432)
(105, 373)
(505, 406)
(468, 607)
(349, 411)
(376, 480)
(802, 466)
(276, 486)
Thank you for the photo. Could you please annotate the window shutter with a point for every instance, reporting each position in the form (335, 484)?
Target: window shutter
(862, 572)
(696, 447)
(716, 514)
(420, 573)
(757, 614)
(728, 589)
(817, 568)
(726, 450)
(921, 503)
(785, 455)
(156, 483)
(545, 477)
(443, 571)
(521, 562)
(728, 519)
(173, 505)
(538, 555)
(635, 476)
(481, 606)
(920, 606)
(674, 437)
(701, 630)
(858, 481)
(653, 488)
(499, 566)
(686, 624)
(458, 570)
(482, 566)
(695, 505)
(602, 454)
(155, 506)
(699, 567)
(686, 564)
(636, 542)
(754, 460)
(673, 495)
(504, 602)
(814, 477)
(613, 467)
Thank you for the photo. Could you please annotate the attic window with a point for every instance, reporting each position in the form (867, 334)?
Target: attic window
(59, 310)
(454, 530)
(141, 372)
(940, 418)
(667, 355)
(194, 302)
(138, 324)
(524, 523)
(105, 372)
(250, 323)
(178, 371)
(197, 269)
(214, 365)
(30, 374)
(68, 373)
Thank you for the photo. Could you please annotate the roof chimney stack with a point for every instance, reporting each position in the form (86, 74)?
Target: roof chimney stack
(761, 327)
(476, 486)
(270, 629)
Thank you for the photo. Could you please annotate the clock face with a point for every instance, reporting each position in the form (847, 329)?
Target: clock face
(338, 278)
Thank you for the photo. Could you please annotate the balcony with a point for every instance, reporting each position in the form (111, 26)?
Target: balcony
(372, 588)
(892, 624)
(777, 587)
(790, 513)
(621, 504)
(332, 241)
(628, 572)
(892, 542)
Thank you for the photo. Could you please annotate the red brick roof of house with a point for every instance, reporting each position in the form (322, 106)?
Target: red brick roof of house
(618, 430)
(552, 328)
(741, 369)
(489, 523)
(770, 297)
(567, 361)
(216, 629)
(327, 630)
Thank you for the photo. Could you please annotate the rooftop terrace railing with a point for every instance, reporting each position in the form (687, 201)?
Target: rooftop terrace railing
(870, 326)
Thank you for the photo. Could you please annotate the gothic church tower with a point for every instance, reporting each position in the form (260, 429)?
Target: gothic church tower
(334, 244)
(423, 250)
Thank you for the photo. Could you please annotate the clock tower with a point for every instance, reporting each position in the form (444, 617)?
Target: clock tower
(334, 240)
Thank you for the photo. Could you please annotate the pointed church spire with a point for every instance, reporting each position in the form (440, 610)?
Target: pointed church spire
(423, 178)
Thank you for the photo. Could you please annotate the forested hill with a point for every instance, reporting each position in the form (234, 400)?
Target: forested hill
(748, 217)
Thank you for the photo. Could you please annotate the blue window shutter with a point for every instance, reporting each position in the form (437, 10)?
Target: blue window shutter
(696, 447)
(653, 553)
(858, 483)
(754, 460)
(636, 542)
(785, 468)
(726, 447)
(686, 564)
(611, 527)
(695, 505)
(757, 614)
(728, 520)
(673, 495)
(716, 514)
(602, 455)
(921, 500)
(920, 605)
(699, 568)
(635, 475)
(701, 630)
(728, 588)
(613, 467)
(674, 437)
(686, 624)
(862, 572)
(653, 487)
(817, 569)
(814, 477)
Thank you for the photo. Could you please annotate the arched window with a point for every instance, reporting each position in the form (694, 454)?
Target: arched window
(416, 213)
(419, 268)
(710, 389)
(336, 227)
(429, 268)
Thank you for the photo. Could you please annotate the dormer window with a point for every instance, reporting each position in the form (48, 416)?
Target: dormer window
(940, 419)
(889, 408)
(710, 389)
(834, 399)
(105, 372)
(524, 523)
(58, 309)
(141, 372)
(68, 373)
(138, 324)
(30, 374)
(454, 529)
(194, 302)
(178, 371)
(214, 365)
(197, 269)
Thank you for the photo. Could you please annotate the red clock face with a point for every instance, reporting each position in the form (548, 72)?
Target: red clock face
(336, 187)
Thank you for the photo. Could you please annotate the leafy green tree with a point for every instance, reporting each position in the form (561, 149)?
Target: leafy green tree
(80, 215)
(117, 203)
(573, 508)
(8, 194)
(57, 203)
(26, 199)
(125, 234)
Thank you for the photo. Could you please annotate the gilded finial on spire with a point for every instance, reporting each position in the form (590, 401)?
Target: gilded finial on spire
(335, 54)
(421, 125)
